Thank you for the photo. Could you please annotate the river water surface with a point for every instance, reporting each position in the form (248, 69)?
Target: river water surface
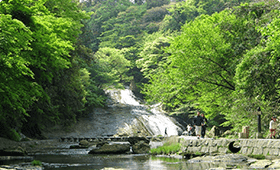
(125, 161)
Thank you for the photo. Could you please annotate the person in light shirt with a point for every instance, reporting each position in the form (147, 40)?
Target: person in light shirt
(272, 127)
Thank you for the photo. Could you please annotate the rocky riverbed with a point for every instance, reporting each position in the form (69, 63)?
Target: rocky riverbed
(212, 161)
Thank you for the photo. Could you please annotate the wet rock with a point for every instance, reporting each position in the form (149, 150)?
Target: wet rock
(111, 169)
(233, 158)
(141, 147)
(112, 148)
(101, 143)
(135, 139)
(275, 164)
(8, 158)
(22, 166)
(13, 151)
(260, 164)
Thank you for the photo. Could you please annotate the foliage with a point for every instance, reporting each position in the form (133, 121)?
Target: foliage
(44, 78)
(217, 56)
(166, 149)
(219, 64)
(186, 11)
(112, 66)
(260, 156)
(156, 3)
(36, 163)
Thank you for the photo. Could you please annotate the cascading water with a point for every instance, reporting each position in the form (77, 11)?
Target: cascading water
(151, 117)
(124, 115)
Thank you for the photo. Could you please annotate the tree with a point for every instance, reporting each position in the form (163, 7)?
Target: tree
(37, 40)
(111, 67)
(156, 3)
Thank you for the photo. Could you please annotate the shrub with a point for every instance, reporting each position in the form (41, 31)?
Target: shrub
(166, 149)
(260, 156)
(36, 163)
(13, 135)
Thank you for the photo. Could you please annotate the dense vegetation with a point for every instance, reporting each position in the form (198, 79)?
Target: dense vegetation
(57, 57)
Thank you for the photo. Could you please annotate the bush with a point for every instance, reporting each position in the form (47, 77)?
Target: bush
(13, 135)
(260, 156)
(36, 163)
(166, 149)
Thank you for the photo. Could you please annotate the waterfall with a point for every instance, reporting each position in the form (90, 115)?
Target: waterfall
(124, 115)
(154, 120)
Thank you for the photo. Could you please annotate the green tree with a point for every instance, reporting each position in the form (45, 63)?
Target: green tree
(156, 3)
(111, 67)
(38, 38)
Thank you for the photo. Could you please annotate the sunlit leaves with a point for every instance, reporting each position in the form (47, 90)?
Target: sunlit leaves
(111, 66)
(16, 89)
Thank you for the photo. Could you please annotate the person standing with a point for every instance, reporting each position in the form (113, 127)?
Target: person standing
(198, 121)
(189, 128)
(203, 128)
(272, 127)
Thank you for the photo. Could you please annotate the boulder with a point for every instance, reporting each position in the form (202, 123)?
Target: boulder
(214, 132)
(14, 151)
(260, 164)
(112, 148)
(230, 158)
(135, 139)
(227, 133)
(141, 147)
(83, 144)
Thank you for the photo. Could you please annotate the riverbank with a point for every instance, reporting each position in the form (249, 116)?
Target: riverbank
(214, 151)
(30, 146)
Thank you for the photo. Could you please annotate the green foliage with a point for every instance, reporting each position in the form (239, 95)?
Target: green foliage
(44, 77)
(223, 64)
(186, 11)
(36, 163)
(156, 3)
(166, 149)
(260, 156)
(13, 135)
(111, 67)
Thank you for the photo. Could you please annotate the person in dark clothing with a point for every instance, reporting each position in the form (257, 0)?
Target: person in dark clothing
(198, 121)
(203, 128)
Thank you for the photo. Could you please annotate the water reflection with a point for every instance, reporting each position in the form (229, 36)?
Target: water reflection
(127, 162)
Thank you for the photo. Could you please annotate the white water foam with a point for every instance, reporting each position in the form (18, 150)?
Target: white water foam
(154, 120)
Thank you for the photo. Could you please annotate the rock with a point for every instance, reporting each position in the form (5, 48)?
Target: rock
(141, 147)
(260, 164)
(101, 143)
(213, 132)
(84, 143)
(75, 147)
(276, 164)
(14, 151)
(227, 133)
(135, 139)
(112, 148)
(231, 158)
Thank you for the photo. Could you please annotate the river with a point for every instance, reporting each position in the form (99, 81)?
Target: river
(79, 159)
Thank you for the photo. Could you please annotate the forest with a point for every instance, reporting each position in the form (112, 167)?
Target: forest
(216, 56)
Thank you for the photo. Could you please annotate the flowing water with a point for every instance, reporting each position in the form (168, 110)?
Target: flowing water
(123, 115)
